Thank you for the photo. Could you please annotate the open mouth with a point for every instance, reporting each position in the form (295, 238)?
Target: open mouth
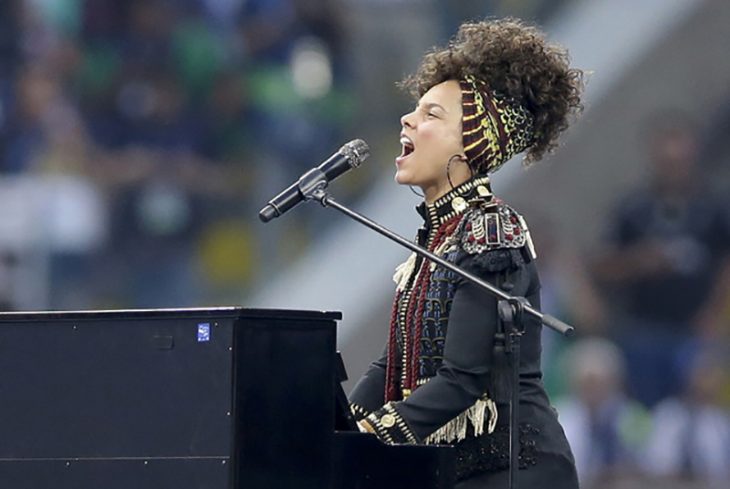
(407, 147)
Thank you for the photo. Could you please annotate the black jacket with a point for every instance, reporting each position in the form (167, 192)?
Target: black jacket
(452, 385)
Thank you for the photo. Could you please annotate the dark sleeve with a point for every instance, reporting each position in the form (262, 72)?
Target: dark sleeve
(369, 392)
(621, 231)
(628, 224)
(464, 374)
(720, 237)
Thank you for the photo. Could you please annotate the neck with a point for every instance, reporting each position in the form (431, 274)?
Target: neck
(455, 201)
(432, 193)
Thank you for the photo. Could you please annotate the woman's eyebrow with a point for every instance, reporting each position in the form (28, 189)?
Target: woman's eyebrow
(433, 105)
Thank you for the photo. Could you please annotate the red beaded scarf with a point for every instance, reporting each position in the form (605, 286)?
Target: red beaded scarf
(394, 386)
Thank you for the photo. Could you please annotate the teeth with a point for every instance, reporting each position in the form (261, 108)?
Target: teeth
(405, 141)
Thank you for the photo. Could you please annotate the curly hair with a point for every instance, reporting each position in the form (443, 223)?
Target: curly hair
(512, 58)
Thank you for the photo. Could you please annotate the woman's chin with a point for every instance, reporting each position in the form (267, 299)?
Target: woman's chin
(401, 178)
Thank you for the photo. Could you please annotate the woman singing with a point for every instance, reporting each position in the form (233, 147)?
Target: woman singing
(496, 90)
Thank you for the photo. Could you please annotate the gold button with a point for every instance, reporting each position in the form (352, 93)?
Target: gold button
(458, 204)
(388, 420)
(482, 190)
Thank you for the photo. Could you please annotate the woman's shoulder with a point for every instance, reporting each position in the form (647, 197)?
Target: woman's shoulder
(492, 226)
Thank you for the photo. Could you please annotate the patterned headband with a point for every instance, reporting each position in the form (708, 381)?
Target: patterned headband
(494, 128)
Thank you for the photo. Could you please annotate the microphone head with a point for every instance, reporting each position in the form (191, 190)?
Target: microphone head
(356, 151)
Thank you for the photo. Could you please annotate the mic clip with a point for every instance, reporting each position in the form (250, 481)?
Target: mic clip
(312, 184)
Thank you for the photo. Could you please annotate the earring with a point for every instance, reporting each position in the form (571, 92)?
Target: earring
(448, 175)
(448, 167)
(413, 190)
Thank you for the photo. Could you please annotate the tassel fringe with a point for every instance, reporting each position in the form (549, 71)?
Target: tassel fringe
(403, 272)
(457, 428)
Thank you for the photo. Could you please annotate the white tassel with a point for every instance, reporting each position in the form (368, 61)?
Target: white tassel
(528, 237)
(457, 428)
(403, 272)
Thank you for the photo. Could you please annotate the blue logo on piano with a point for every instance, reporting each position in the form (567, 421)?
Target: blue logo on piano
(203, 332)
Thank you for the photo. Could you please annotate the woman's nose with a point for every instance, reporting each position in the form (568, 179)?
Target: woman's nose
(406, 120)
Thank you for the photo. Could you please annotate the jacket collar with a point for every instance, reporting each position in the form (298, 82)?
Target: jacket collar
(455, 201)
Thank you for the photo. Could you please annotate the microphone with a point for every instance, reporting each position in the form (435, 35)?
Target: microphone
(349, 156)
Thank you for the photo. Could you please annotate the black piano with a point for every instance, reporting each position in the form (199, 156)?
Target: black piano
(214, 398)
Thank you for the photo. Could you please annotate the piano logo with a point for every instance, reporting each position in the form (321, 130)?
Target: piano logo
(203, 332)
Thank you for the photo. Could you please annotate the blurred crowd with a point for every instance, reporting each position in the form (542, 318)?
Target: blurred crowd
(139, 138)
(151, 131)
(645, 393)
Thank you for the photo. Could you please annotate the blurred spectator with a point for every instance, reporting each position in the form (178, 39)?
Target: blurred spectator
(606, 429)
(717, 148)
(33, 91)
(7, 262)
(669, 265)
(691, 436)
(224, 132)
(567, 291)
(10, 36)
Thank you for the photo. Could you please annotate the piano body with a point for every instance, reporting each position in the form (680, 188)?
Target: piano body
(215, 398)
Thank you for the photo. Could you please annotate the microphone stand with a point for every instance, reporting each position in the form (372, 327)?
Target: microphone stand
(511, 309)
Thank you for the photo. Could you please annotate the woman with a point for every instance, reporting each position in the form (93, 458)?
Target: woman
(496, 90)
